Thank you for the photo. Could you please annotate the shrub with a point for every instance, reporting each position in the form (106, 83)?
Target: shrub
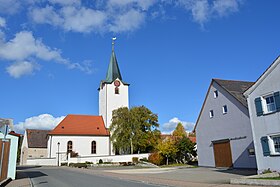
(267, 171)
(155, 158)
(64, 164)
(100, 161)
(135, 160)
(88, 163)
(73, 154)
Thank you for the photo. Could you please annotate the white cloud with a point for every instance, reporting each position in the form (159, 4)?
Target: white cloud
(46, 15)
(65, 2)
(143, 4)
(24, 47)
(112, 16)
(168, 128)
(82, 19)
(203, 10)
(127, 22)
(224, 7)
(9, 6)
(19, 69)
(70, 18)
(43, 122)
(2, 22)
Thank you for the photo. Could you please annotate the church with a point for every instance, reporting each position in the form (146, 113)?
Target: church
(86, 135)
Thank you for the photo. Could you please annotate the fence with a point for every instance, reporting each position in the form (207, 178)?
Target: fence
(95, 159)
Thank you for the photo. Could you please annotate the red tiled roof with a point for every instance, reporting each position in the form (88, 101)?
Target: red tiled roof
(192, 139)
(15, 134)
(165, 136)
(81, 125)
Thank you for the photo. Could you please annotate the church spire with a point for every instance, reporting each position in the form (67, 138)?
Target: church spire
(113, 70)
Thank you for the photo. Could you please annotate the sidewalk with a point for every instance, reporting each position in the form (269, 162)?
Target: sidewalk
(22, 180)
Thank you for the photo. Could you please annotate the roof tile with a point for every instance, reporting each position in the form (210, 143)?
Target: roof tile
(81, 125)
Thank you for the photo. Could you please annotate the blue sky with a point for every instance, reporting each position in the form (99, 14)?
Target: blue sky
(53, 54)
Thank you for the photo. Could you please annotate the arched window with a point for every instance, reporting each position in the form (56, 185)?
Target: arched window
(69, 146)
(93, 147)
(117, 90)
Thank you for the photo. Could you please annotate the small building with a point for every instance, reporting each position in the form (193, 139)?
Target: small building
(223, 130)
(34, 145)
(79, 135)
(264, 107)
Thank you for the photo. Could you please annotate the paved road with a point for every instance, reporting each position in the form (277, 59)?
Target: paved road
(60, 177)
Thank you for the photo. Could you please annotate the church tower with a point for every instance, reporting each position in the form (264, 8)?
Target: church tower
(113, 91)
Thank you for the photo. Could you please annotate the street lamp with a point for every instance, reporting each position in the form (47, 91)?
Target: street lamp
(58, 153)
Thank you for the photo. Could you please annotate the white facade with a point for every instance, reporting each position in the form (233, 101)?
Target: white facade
(215, 123)
(109, 100)
(80, 145)
(265, 118)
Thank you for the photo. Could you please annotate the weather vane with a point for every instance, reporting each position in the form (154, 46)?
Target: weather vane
(113, 42)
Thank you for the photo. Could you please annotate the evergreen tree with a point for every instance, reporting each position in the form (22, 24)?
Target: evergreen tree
(179, 131)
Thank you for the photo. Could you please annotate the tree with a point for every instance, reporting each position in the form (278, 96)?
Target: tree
(134, 129)
(179, 131)
(185, 148)
(167, 148)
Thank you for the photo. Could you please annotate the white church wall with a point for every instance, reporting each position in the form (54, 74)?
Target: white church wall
(81, 145)
(94, 159)
(114, 158)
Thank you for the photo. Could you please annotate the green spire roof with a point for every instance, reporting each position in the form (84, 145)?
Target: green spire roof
(113, 70)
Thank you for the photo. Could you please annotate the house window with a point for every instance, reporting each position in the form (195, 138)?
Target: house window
(276, 144)
(117, 90)
(267, 104)
(211, 113)
(216, 94)
(251, 152)
(270, 104)
(69, 146)
(225, 110)
(93, 147)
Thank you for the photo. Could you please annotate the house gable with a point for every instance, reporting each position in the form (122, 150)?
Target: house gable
(233, 88)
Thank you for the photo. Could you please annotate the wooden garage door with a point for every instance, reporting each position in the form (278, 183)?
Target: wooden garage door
(222, 154)
(5, 162)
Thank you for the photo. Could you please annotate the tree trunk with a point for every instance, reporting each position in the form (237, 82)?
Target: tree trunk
(166, 160)
(131, 146)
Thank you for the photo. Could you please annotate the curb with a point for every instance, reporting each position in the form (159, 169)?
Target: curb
(258, 182)
(5, 182)
(251, 180)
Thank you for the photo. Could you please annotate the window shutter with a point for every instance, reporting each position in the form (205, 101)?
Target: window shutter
(265, 146)
(277, 101)
(258, 103)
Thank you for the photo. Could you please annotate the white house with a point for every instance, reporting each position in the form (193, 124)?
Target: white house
(264, 106)
(223, 131)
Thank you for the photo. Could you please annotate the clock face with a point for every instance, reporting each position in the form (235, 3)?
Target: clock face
(117, 83)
